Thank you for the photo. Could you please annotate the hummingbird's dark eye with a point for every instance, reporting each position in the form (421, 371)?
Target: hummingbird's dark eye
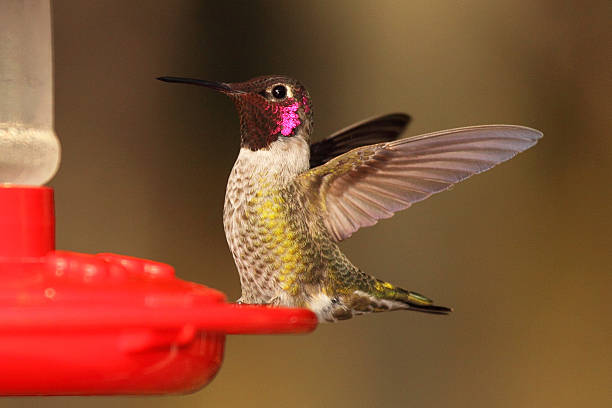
(279, 91)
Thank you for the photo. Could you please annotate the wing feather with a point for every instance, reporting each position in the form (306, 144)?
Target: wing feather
(370, 131)
(368, 183)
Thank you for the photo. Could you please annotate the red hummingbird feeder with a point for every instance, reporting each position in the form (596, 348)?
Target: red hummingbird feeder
(78, 324)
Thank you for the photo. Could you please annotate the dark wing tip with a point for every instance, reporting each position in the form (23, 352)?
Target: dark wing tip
(403, 116)
(402, 120)
(406, 119)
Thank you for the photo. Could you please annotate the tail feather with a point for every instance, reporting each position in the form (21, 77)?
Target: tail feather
(420, 303)
(373, 295)
(404, 299)
(434, 309)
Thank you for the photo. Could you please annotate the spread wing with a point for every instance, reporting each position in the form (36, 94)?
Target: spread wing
(374, 130)
(366, 184)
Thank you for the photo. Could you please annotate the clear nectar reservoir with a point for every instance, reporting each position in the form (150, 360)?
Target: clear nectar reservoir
(29, 149)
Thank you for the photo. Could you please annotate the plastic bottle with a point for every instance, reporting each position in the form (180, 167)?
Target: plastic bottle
(29, 149)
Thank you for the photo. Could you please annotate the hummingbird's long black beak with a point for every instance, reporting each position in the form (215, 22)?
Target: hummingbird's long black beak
(217, 86)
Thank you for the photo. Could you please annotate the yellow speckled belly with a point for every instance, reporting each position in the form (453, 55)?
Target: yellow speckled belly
(280, 237)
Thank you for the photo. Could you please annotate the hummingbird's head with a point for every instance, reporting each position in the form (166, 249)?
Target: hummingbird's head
(270, 108)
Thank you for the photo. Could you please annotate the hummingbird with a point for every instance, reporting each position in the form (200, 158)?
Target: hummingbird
(290, 202)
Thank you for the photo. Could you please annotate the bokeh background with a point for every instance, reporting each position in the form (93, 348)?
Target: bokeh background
(522, 252)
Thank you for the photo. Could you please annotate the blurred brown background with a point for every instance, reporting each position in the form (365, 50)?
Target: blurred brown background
(522, 252)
